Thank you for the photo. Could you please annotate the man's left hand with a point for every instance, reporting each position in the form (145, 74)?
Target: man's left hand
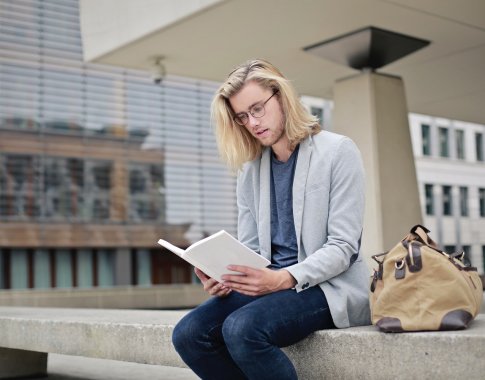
(257, 282)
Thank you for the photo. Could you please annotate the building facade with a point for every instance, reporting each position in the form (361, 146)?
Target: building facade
(97, 163)
(450, 166)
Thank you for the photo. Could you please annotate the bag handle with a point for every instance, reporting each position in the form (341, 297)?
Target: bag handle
(420, 233)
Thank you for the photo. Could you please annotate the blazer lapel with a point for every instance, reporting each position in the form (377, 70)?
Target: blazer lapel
(264, 229)
(299, 185)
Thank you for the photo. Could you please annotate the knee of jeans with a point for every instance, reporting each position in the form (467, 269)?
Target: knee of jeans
(186, 332)
(178, 335)
(240, 328)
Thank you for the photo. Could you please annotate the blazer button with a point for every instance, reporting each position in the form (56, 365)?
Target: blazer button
(305, 285)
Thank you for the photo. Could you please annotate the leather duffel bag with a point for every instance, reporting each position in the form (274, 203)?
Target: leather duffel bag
(417, 287)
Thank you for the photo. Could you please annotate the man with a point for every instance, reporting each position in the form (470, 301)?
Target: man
(300, 198)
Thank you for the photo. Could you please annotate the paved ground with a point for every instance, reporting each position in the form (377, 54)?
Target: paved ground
(63, 367)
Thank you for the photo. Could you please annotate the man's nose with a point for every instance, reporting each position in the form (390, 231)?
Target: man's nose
(252, 121)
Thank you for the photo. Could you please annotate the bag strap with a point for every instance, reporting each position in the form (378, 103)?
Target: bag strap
(420, 233)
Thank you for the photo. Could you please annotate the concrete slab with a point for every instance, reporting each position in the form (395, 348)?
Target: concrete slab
(64, 367)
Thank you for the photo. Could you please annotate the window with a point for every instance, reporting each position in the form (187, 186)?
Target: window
(460, 144)
(105, 267)
(63, 259)
(479, 146)
(143, 268)
(147, 197)
(85, 278)
(447, 201)
(42, 269)
(19, 269)
(318, 112)
(443, 136)
(467, 252)
(481, 199)
(426, 139)
(449, 248)
(428, 190)
(463, 201)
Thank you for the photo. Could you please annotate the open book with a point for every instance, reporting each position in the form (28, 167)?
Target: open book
(213, 254)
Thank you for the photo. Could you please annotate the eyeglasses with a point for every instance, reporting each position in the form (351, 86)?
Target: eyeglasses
(256, 111)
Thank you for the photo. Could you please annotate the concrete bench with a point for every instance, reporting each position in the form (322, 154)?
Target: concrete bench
(27, 335)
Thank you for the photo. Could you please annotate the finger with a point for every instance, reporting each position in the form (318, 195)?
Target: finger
(209, 284)
(201, 275)
(237, 278)
(242, 287)
(242, 269)
(216, 288)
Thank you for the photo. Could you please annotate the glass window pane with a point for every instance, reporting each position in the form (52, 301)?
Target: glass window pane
(460, 144)
(467, 258)
(42, 269)
(143, 265)
(450, 249)
(85, 268)
(63, 268)
(18, 269)
(105, 267)
(479, 146)
(464, 201)
(447, 201)
(426, 139)
(443, 136)
(481, 196)
(429, 199)
(147, 192)
(318, 112)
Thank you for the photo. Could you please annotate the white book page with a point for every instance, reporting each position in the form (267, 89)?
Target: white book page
(218, 251)
(178, 251)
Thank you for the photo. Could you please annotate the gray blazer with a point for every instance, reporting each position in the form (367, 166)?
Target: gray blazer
(328, 208)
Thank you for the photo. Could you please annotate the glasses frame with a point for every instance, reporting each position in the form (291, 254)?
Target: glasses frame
(237, 118)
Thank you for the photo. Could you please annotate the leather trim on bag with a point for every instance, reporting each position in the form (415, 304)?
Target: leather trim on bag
(414, 249)
(417, 263)
(389, 325)
(400, 271)
(456, 320)
(374, 282)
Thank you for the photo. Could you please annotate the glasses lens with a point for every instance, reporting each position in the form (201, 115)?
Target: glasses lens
(258, 110)
(241, 119)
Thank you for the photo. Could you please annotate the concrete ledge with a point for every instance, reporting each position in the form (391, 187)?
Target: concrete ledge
(364, 353)
(145, 337)
(138, 336)
(180, 296)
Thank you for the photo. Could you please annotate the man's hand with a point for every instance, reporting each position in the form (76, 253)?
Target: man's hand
(256, 282)
(211, 286)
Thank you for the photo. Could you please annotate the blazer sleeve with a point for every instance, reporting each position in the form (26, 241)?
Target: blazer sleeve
(344, 224)
(247, 230)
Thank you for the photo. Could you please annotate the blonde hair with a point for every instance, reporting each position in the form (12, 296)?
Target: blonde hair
(236, 144)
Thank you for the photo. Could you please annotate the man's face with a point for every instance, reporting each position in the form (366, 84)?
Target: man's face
(268, 129)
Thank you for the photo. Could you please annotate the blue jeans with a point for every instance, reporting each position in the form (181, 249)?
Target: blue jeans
(239, 336)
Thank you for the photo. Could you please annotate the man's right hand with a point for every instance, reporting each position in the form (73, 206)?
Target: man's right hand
(211, 286)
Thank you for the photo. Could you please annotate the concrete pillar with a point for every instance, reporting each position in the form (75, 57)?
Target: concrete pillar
(371, 109)
(20, 363)
(119, 192)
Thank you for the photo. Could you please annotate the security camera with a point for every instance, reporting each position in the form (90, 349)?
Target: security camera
(158, 70)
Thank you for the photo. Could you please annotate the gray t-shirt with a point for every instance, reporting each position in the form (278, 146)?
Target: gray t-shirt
(284, 249)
